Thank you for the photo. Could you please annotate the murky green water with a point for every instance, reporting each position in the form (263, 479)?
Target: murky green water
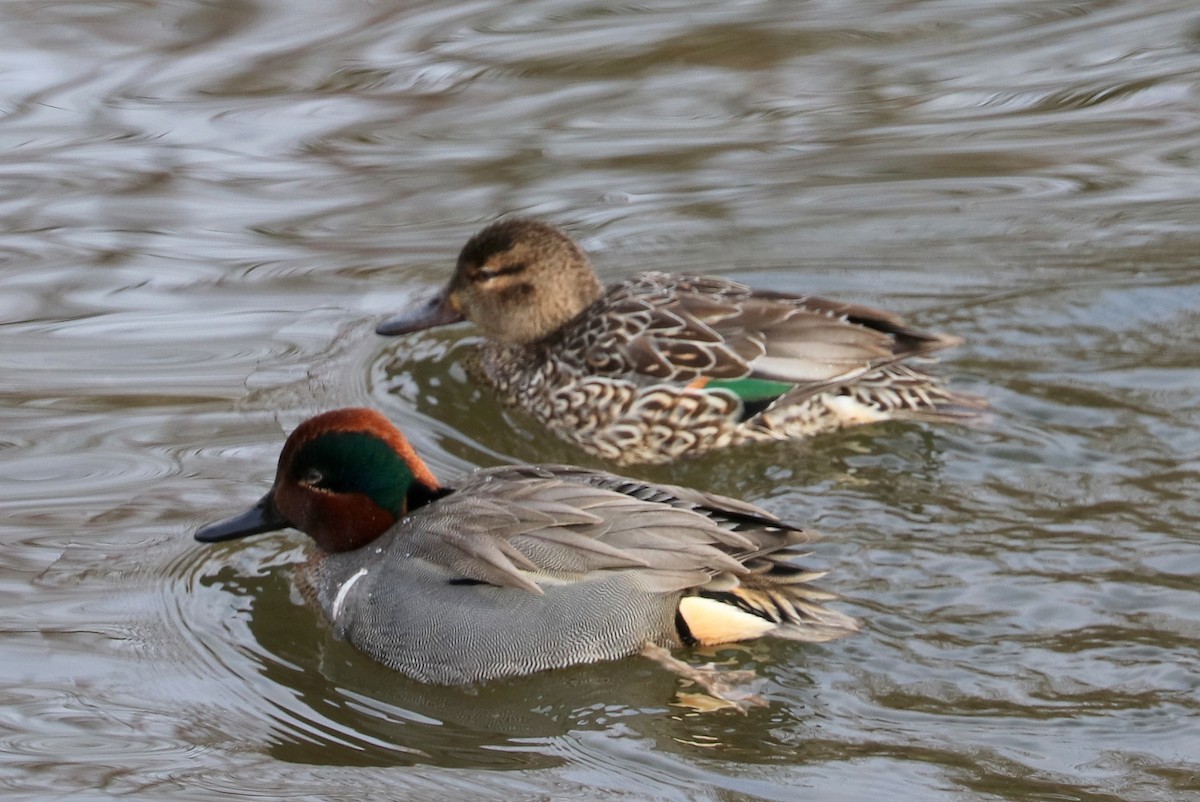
(206, 206)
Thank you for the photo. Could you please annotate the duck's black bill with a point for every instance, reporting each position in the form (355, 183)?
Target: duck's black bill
(262, 517)
(423, 313)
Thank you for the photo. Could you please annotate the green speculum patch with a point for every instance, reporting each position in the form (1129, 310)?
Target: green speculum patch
(751, 390)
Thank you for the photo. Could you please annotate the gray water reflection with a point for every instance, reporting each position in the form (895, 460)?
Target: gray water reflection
(207, 205)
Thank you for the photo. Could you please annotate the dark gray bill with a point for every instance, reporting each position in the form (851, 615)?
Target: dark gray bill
(422, 313)
(262, 517)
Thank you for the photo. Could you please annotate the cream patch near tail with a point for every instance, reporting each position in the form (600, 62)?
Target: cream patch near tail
(852, 412)
(711, 621)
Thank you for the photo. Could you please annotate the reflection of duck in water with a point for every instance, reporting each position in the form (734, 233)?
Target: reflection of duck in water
(524, 568)
(662, 366)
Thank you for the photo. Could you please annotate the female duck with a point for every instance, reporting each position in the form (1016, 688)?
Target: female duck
(523, 568)
(662, 366)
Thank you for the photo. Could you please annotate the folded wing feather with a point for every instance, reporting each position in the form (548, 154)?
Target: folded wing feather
(511, 526)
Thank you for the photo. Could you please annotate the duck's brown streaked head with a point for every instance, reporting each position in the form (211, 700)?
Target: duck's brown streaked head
(518, 280)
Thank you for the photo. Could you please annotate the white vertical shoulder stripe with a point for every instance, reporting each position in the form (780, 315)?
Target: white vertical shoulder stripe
(343, 590)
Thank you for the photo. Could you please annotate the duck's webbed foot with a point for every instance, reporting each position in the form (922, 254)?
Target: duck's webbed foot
(725, 685)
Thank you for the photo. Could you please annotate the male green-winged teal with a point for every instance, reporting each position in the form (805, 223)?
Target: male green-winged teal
(523, 568)
(661, 366)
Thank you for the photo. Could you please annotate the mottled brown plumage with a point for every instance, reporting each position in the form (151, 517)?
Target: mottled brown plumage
(661, 366)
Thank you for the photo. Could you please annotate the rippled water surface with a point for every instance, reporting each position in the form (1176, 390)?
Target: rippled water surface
(206, 206)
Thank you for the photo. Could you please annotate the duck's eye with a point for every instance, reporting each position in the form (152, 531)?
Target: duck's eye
(313, 477)
(489, 273)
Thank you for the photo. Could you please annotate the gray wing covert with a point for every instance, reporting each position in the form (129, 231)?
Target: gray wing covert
(517, 526)
(681, 328)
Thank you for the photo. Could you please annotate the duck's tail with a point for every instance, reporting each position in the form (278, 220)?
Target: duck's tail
(776, 600)
(892, 392)
(901, 392)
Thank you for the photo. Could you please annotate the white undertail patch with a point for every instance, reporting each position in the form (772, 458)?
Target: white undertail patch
(851, 411)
